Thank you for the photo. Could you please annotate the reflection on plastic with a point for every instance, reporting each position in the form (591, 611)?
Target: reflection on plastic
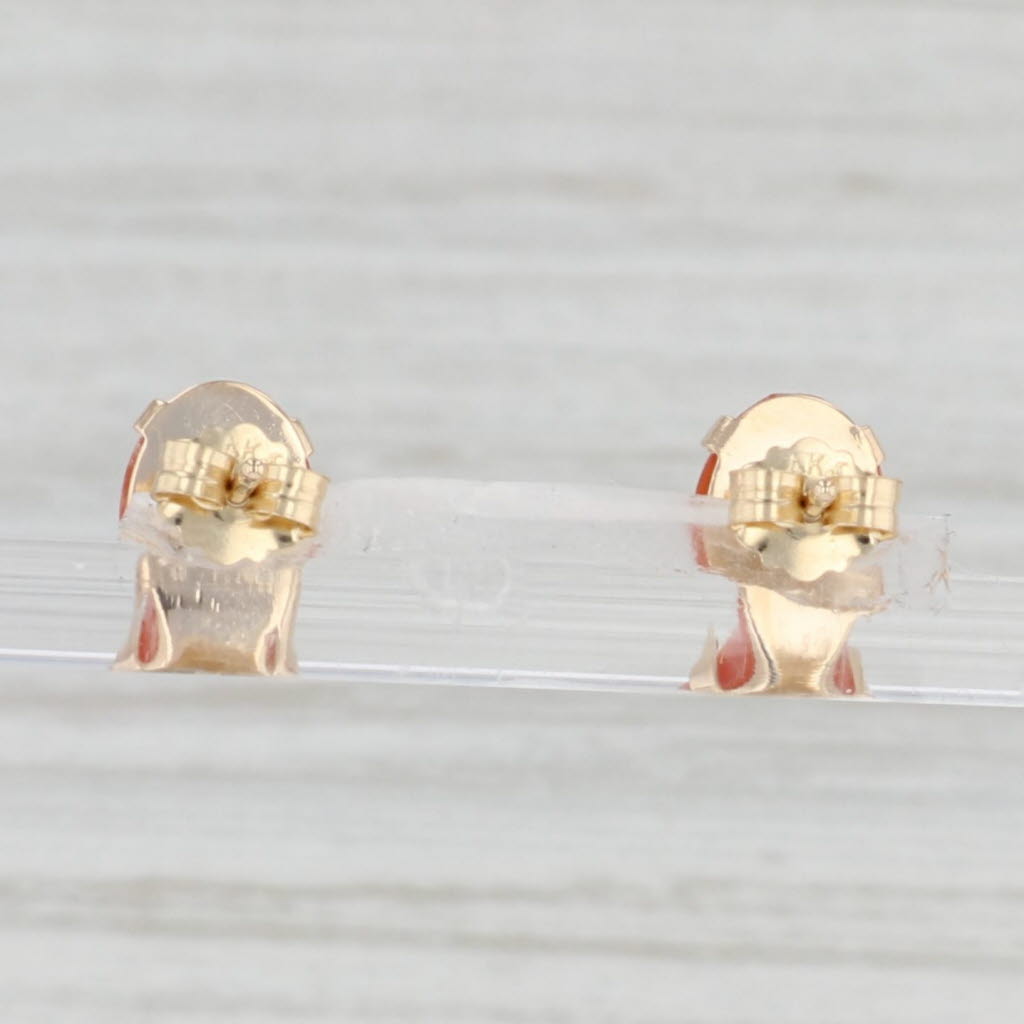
(454, 586)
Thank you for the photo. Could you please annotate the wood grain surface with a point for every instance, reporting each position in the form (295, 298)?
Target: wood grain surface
(517, 241)
(201, 850)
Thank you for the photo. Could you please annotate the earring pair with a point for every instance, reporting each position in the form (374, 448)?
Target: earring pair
(221, 493)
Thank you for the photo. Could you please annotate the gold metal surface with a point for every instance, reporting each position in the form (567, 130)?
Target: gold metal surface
(233, 507)
(205, 479)
(806, 501)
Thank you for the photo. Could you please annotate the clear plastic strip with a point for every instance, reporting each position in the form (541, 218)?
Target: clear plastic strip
(540, 586)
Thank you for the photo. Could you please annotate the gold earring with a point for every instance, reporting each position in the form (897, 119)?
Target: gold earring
(232, 512)
(807, 499)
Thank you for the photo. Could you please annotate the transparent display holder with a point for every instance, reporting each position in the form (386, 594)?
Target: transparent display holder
(541, 586)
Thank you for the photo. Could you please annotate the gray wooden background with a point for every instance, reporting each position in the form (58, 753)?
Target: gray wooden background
(535, 240)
